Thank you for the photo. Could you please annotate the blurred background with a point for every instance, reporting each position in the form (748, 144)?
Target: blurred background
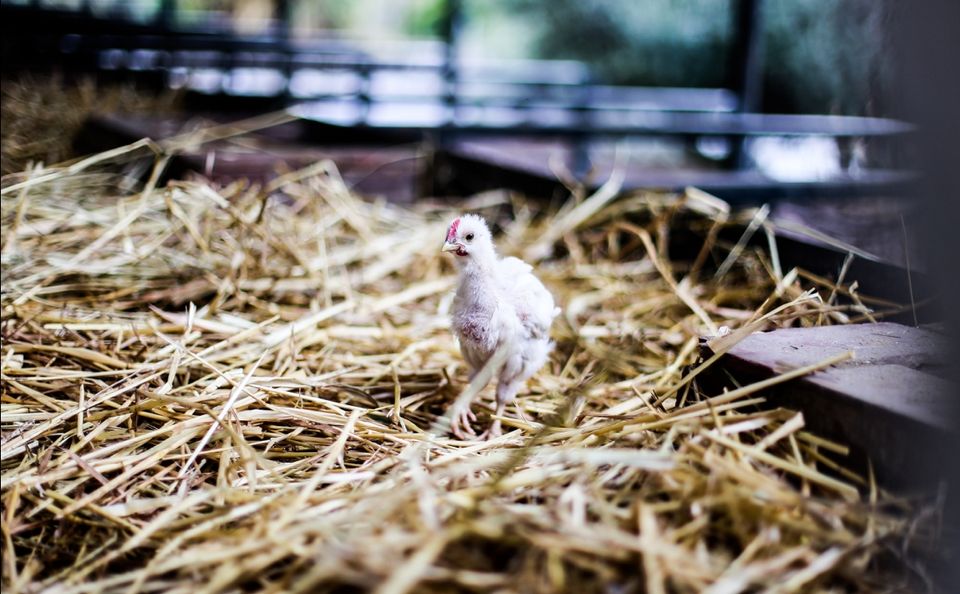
(836, 120)
(789, 104)
(818, 56)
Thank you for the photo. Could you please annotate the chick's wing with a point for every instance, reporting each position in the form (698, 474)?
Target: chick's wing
(531, 301)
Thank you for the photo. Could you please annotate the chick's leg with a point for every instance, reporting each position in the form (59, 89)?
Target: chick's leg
(506, 391)
(460, 419)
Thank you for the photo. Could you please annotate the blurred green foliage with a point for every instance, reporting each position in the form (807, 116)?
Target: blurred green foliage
(821, 56)
(427, 18)
(826, 57)
(678, 43)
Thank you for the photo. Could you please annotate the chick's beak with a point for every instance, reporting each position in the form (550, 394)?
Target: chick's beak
(449, 246)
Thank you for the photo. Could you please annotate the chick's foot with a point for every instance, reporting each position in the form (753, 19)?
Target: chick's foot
(460, 424)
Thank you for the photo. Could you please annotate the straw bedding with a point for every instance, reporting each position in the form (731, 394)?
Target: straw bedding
(240, 388)
(43, 113)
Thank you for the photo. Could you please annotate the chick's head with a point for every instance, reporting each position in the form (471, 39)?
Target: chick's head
(469, 237)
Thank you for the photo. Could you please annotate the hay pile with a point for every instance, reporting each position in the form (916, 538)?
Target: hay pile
(233, 389)
(43, 113)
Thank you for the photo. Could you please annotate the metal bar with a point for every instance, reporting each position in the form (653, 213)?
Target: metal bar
(623, 123)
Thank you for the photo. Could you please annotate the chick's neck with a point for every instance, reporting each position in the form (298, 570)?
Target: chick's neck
(477, 275)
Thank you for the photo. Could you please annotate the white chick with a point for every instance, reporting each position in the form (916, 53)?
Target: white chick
(498, 302)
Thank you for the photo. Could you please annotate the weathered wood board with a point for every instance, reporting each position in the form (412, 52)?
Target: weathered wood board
(893, 402)
(391, 171)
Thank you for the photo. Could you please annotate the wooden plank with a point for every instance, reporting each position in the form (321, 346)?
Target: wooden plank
(530, 158)
(892, 403)
(393, 172)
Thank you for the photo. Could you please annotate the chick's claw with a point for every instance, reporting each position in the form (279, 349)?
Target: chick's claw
(460, 424)
(492, 432)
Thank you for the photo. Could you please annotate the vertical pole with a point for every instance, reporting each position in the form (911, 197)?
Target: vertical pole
(580, 158)
(748, 54)
(165, 18)
(365, 70)
(282, 15)
(165, 15)
(451, 29)
(747, 65)
(283, 12)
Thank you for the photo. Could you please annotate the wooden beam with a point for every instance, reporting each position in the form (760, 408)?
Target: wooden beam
(893, 403)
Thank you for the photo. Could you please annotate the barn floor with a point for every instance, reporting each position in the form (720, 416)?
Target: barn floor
(235, 387)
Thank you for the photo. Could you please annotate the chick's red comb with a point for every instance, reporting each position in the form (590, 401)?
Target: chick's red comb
(452, 232)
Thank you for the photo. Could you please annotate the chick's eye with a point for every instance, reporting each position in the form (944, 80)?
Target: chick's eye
(469, 237)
